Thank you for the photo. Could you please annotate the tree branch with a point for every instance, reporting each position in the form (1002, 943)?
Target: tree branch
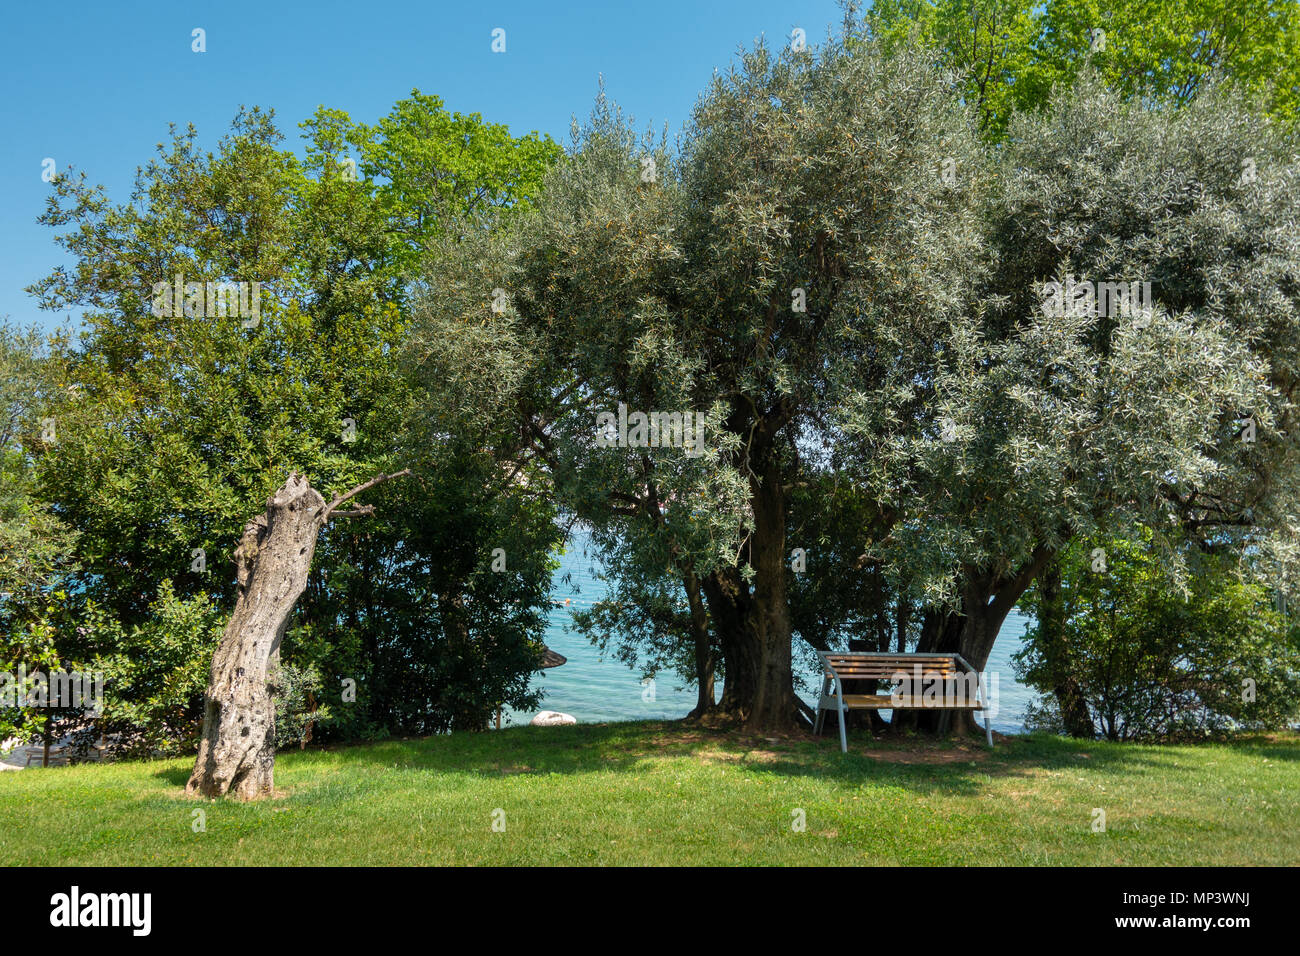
(354, 512)
(329, 511)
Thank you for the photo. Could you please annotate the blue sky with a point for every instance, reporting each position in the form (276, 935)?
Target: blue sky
(94, 85)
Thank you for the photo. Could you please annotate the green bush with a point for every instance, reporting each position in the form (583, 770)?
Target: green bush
(298, 709)
(155, 673)
(1151, 659)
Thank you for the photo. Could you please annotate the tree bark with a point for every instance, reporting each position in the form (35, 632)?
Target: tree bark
(774, 706)
(753, 624)
(237, 750)
(705, 661)
(986, 600)
(940, 634)
(273, 561)
(728, 597)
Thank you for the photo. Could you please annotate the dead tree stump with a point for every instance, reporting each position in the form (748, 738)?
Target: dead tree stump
(273, 559)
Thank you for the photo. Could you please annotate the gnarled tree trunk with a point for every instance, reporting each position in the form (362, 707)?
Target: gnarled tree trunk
(986, 601)
(273, 559)
(753, 623)
(1058, 655)
(237, 749)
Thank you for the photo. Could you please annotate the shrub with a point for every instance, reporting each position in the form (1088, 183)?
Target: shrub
(1153, 659)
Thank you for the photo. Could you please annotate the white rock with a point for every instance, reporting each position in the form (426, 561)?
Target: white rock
(552, 718)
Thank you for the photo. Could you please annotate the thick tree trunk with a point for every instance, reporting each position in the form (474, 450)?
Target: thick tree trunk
(273, 559)
(758, 689)
(753, 625)
(273, 562)
(940, 634)
(728, 597)
(774, 705)
(985, 603)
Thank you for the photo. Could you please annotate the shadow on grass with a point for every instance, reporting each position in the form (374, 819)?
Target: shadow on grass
(1274, 746)
(174, 775)
(922, 764)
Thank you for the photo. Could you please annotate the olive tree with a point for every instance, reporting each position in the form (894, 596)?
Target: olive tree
(801, 254)
(1173, 409)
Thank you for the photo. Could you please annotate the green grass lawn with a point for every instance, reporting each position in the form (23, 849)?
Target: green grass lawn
(662, 793)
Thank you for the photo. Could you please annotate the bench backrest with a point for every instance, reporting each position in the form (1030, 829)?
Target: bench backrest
(870, 665)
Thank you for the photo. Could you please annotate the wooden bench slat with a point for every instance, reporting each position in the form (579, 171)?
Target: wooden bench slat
(907, 675)
(878, 656)
(886, 702)
(897, 663)
(908, 664)
(877, 662)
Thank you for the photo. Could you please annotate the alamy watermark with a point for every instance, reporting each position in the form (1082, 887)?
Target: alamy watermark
(207, 299)
(923, 688)
(651, 430)
(130, 910)
(70, 689)
(1070, 298)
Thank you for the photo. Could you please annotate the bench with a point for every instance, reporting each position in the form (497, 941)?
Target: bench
(953, 685)
(58, 755)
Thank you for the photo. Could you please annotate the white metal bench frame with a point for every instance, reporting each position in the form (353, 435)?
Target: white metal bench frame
(831, 681)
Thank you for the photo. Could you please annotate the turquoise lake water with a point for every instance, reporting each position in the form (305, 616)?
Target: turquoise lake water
(593, 689)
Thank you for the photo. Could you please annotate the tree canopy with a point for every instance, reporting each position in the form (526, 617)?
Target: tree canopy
(839, 279)
(182, 408)
(1009, 55)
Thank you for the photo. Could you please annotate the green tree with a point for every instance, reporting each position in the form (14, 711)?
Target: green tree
(802, 255)
(1009, 55)
(183, 422)
(1177, 413)
(35, 546)
(1151, 659)
(988, 45)
(1159, 206)
(154, 672)
(1171, 51)
(845, 287)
